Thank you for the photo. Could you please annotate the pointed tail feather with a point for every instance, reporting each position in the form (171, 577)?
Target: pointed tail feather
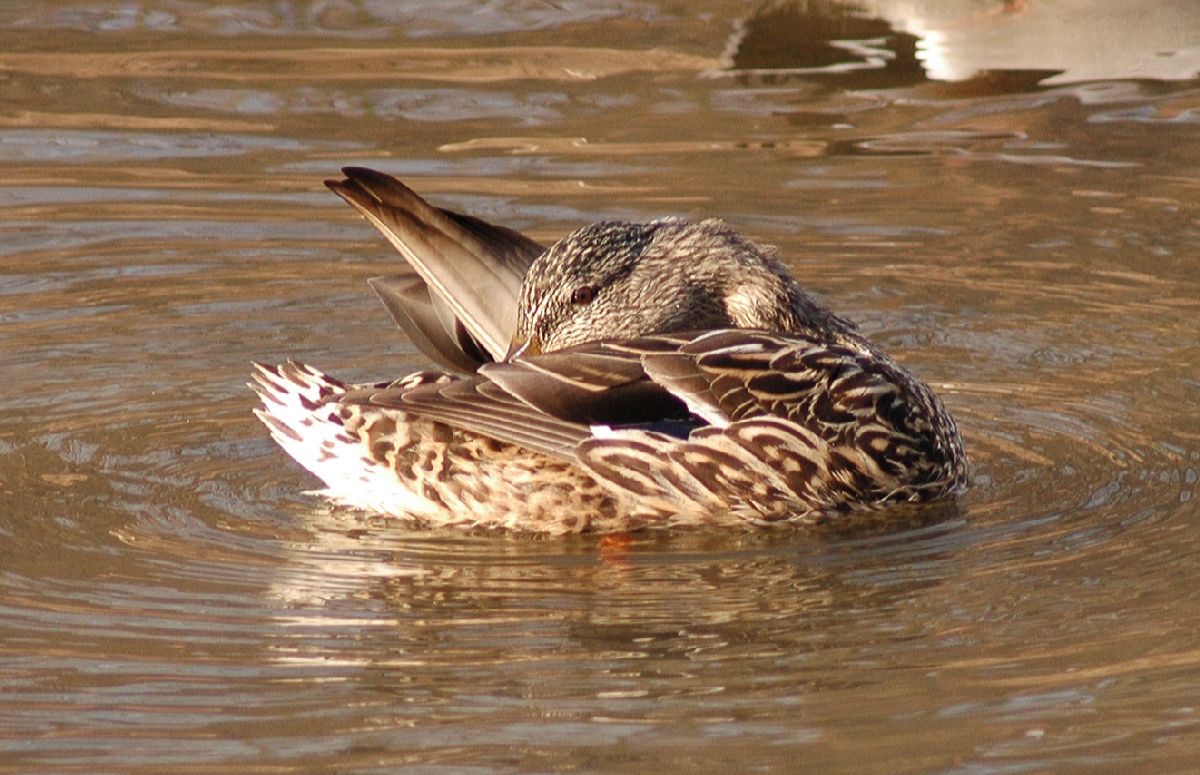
(470, 266)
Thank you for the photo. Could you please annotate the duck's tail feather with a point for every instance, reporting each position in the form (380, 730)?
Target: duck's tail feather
(300, 408)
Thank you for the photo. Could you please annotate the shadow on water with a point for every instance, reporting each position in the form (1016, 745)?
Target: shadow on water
(999, 195)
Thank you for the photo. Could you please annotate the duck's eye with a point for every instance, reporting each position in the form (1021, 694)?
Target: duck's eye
(583, 295)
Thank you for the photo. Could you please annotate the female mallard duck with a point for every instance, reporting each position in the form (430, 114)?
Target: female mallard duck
(633, 375)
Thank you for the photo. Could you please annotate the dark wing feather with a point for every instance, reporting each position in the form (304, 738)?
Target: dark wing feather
(590, 385)
(477, 405)
(546, 403)
(471, 267)
(429, 324)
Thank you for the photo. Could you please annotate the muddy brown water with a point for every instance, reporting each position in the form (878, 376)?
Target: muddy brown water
(1004, 195)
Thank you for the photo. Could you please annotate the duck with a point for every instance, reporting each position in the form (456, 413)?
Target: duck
(630, 376)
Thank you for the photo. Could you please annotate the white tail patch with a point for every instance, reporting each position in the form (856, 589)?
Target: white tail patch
(300, 409)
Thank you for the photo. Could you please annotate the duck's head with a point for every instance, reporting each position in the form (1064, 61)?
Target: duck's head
(617, 280)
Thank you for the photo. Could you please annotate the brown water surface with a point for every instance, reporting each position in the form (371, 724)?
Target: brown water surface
(1004, 196)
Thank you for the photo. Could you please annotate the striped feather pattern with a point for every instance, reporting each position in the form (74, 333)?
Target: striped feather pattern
(787, 428)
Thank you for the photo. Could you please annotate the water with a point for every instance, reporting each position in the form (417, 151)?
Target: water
(1005, 195)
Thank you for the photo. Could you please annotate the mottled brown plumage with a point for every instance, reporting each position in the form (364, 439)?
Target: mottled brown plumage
(657, 374)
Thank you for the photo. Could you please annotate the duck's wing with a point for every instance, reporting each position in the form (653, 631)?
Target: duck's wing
(550, 403)
(471, 270)
(672, 383)
(430, 325)
(478, 406)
